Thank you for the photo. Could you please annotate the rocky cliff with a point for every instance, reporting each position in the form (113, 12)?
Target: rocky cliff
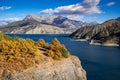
(107, 33)
(65, 69)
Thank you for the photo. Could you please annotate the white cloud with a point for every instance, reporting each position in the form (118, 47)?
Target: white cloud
(86, 7)
(3, 23)
(2, 8)
(110, 4)
(8, 20)
(75, 17)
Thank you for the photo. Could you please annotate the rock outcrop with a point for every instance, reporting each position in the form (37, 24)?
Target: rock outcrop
(65, 69)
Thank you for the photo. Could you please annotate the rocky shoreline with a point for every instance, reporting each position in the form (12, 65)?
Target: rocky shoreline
(64, 69)
(103, 44)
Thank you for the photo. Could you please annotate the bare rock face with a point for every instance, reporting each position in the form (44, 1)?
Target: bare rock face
(65, 69)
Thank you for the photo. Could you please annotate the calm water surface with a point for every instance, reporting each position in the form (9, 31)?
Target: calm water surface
(100, 63)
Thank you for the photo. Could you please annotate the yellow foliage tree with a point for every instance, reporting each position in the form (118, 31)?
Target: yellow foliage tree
(42, 43)
(57, 49)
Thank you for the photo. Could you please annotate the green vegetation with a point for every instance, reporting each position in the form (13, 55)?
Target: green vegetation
(17, 54)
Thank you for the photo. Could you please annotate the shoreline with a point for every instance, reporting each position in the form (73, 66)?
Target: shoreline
(105, 44)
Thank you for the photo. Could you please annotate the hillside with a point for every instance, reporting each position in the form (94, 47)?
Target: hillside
(32, 27)
(105, 33)
(25, 59)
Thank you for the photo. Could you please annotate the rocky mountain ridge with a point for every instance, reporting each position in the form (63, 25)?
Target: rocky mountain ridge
(105, 33)
(58, 21)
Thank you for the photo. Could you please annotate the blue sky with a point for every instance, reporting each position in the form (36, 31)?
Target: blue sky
(83, 10)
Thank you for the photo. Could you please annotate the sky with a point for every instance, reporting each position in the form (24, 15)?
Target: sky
(80, 10)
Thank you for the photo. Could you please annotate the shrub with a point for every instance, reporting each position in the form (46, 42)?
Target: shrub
(56, 50)
(17, 52)
(64, 53)
(41, 43)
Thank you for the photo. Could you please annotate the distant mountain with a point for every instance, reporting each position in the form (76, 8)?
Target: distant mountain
(106, 33)
(118, 19)
(28, 27)
(58, 21)
(33, 24)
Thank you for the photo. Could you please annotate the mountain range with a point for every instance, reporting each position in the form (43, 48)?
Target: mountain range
(33, 24)
(107, 33)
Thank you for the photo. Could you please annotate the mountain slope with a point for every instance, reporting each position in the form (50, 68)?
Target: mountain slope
(105, 33)
(32, 28)
(40, 29)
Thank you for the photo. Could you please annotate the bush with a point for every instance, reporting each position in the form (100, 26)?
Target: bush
(41, 43)
(56, 50)
(64, 53)
(17, 52)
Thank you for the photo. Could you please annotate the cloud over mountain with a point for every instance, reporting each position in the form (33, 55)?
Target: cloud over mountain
(75, 17)
(86, 7)
(8, 20)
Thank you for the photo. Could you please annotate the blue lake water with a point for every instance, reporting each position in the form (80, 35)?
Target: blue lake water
(100, 63)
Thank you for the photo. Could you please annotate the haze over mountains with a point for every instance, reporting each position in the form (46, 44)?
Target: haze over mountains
(107, 33)
(33, 24)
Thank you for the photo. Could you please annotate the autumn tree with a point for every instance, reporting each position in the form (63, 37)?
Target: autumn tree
(57, 50)
(41, 43)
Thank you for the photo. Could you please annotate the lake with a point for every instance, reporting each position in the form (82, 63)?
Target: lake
(100, 62)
